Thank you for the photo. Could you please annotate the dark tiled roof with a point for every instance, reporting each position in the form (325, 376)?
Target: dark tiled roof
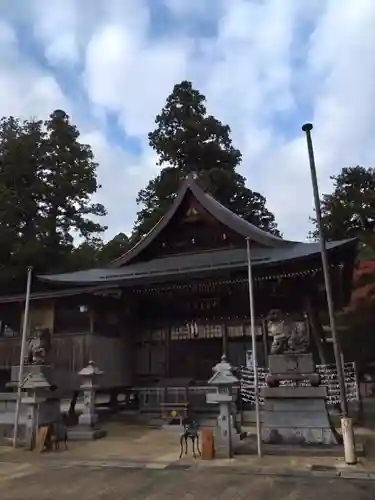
(217, 210)
(193, 264)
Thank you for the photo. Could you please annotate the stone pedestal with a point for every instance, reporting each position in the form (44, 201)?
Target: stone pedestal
(296, 415)
(87, 428)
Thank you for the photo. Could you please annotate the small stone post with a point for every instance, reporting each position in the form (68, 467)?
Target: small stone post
(224, 380)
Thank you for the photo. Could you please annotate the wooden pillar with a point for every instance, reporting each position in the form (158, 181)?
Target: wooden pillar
(316, 330)
(225, 339)
(149, 347)
(265, 341)
(167, 352)
(91, 330)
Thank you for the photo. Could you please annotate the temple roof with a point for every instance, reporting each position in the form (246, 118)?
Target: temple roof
(194, 265)
(213, 207)
(267, 252)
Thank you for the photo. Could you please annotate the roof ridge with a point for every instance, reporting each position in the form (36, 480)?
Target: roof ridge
(217, 210)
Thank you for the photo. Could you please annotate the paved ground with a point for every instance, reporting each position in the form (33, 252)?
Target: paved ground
(138, 444)
(30, 482)
(142, 463)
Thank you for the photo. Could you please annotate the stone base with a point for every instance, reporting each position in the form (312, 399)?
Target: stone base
(88, 420)
(81, 433)
(249, 447)
(297, 416)
(223, 448)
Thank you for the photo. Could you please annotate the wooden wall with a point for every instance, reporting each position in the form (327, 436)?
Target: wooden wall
(75, 341)
(41, 315)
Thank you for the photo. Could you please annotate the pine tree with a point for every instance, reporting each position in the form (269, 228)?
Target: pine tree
(69, 180)
(188, 140)
(47, 179)
(349, 211)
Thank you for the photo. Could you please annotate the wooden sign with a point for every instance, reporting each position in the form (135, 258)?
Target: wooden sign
(207, 444)
(43, 439)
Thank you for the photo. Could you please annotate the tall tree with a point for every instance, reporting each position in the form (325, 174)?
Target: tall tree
(350, 210)
(47, 178)
(95, 253)
(188, 140)
(114, 248)
(68, 174)
(20, 195)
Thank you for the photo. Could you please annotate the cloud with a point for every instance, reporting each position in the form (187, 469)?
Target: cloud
(265, 66)
(25, 89)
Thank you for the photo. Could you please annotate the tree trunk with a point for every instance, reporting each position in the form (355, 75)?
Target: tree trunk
(72, 407)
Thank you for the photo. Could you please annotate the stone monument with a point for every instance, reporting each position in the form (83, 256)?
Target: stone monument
(37, 354)
(87, 428)
(39, 348)
(226, 435)
(295, 414)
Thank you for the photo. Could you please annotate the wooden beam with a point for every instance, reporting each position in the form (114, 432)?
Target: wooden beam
(225, 339)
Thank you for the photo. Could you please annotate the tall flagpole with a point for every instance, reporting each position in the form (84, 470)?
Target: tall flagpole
(346, 422)
(327, 277)
(254, 349)
(22, 355)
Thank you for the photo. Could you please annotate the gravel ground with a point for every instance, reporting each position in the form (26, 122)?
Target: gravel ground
(33, 481)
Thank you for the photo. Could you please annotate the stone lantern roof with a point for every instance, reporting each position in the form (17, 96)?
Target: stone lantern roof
(223, 374)
(90, 370)
(36, 380)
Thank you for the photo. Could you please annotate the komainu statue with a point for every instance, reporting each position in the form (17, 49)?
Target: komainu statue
(289, 336)
(39, 347)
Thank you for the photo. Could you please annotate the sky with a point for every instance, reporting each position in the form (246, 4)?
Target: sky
(265, 66)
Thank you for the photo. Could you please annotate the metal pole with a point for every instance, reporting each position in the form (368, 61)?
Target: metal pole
(254, 348)
(22, 355)
(327, 278)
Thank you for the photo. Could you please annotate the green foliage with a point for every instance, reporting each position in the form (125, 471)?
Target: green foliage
(47, 178)
(188, 140)
(349, 212)
(95, 253)
(114, 248)
(68, 175)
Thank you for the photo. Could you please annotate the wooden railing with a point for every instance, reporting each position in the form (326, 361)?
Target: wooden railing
(152, 399)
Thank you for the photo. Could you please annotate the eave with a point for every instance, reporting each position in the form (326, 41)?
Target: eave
(57, 294)
(264, 260)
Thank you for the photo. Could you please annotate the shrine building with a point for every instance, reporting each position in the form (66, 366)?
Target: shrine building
(166, 310)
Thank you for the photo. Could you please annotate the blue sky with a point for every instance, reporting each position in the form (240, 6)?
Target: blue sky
(265, 66)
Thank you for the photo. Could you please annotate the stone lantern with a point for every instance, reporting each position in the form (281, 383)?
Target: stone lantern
(223, 380)
(87, 421)
(38, 390)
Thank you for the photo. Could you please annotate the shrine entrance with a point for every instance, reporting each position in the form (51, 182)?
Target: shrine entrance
(194, 359)
(190, 351)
